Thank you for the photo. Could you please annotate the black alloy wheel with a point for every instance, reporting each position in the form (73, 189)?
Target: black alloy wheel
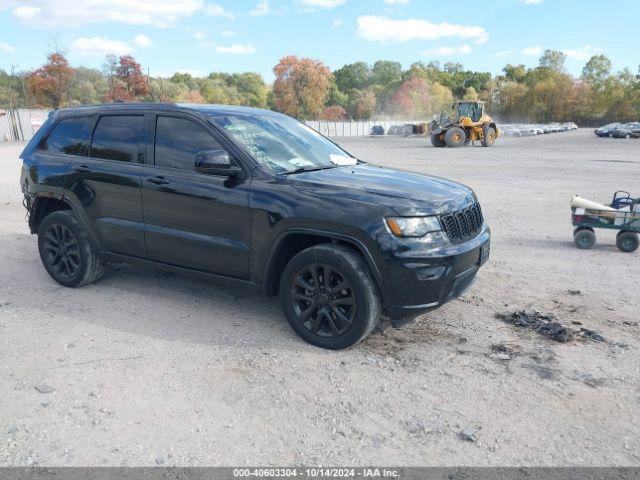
(66, 251)
(323, 300)
(62, 251)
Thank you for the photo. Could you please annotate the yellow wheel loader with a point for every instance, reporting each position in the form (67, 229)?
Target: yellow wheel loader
(464, 124)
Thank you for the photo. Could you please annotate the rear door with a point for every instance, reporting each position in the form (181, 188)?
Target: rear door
(69, 139)
(191, 219)
(107, 181)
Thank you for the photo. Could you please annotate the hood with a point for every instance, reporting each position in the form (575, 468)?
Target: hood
(406, 193)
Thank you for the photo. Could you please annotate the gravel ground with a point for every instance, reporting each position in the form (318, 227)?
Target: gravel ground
(147, 368)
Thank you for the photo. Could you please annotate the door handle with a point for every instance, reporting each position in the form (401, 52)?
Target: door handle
(81, 168)
(159, 180)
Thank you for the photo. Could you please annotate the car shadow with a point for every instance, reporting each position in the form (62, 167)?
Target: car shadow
(181, 308)
(153, 303)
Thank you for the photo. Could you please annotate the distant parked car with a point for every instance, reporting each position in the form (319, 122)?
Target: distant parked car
(606, 130)
(377, 130)
(628, 130)
(406, 129)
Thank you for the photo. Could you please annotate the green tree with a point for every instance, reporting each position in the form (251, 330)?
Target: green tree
(354, 75)
(596, 71)
(385, 72)
(515, 73)
(553, 60)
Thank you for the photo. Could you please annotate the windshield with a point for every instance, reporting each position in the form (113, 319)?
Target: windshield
(283, 144)
(471, 110)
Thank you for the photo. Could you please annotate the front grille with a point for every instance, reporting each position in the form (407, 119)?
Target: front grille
(463, 225)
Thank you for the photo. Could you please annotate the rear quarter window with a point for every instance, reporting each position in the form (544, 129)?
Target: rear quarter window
(70, 136)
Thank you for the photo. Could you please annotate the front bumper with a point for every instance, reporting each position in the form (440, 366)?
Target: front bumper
(419, 284)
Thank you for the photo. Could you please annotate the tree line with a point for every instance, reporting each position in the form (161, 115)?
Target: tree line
(307, 89)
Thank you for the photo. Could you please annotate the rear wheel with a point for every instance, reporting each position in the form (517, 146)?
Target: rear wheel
(436, 142)
(627, 241)
(489, 136)
(329, 296)
(584, 238)
(455, 137)
(66, 252)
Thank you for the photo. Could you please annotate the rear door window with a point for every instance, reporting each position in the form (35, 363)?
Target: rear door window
(70, 136)
(178, 140)
(119, 137)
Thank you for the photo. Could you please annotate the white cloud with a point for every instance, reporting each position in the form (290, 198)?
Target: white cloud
(142, 41)
(64, 13)
(387, 30)
(537, 50)
(227, 33)
(26, 12)
(5, 47)
(199, 35)
(583, 53)
(502, 53)
(262, 8)
(337, 22)
(216, 10)
(312, 5)
(448, 51)
(396, 2)
(99, 47)
(530, 2)
(236, 48)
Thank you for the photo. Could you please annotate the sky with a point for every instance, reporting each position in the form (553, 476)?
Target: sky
(201, 36)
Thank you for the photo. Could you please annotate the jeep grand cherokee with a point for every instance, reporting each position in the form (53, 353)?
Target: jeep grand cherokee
(255, 197)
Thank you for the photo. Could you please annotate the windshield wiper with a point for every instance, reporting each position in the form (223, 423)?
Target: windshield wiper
(306, 169)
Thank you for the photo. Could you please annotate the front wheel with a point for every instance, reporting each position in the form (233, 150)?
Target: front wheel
(329, 297)
(627, 241)
(455, 137)
(66, 252)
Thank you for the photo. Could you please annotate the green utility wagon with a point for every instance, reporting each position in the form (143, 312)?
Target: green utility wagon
(625, 220)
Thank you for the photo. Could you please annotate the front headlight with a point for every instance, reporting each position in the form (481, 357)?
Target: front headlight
(413, 226)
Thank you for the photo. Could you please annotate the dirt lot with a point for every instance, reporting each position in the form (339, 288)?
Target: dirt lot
(146, 368)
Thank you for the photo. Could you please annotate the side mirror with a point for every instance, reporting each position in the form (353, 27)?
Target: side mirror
(216, 162)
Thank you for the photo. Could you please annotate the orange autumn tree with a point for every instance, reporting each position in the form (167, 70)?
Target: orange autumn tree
(301, 86)
(49, 84)
(334, 113)
(128, 83)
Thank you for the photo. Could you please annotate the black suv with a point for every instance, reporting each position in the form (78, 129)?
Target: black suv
(255, 197)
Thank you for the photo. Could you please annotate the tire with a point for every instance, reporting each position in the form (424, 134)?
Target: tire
(627, 241)
(488, 136)
(315, 311)
(60, 233)
(584, 238)
(436, 142)
(455, 137)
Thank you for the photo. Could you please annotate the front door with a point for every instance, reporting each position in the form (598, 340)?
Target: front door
(192, 219)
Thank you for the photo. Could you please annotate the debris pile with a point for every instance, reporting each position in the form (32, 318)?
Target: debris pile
(547, 325)
(543, 323)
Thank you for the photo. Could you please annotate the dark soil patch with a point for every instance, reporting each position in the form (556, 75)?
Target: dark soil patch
(547, 325)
